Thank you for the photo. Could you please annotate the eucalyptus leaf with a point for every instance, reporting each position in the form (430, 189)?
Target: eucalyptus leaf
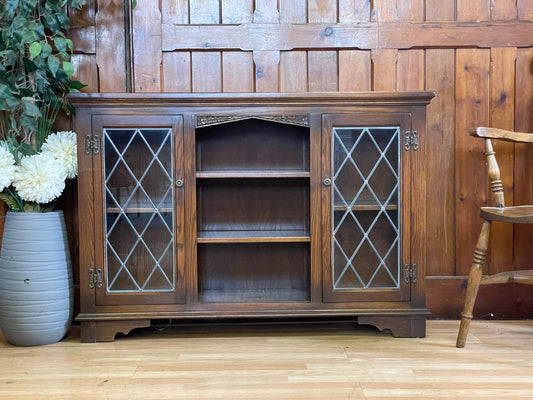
(26, 149)
(29, 65)
(47, 50)
(53, 64)
(32, 207)
(30, 36)
(5, 92)
(29, 123)
(35, 49)
(11, 7)
(60, 43)
(28, 5)
(10, 202)
(75, 85)
(68, 68)
(29, 107)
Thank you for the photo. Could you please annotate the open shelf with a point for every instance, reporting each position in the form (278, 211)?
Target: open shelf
(253, 272)
(365, 207)
(253, 174)
(254, 295)
(252, 236)
(139, 210)
(253, 205)
(252, 145)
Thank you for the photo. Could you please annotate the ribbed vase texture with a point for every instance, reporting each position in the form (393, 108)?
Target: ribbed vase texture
(35, 279)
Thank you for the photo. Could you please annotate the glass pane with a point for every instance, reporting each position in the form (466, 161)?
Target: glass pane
(138, 203)
(366, 191)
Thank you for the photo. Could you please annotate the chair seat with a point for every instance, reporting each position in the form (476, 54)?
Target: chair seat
(515, 214)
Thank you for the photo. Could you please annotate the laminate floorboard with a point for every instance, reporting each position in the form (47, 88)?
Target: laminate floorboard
(308, 361)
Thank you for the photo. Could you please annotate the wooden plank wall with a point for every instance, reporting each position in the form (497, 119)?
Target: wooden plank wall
(477, 55)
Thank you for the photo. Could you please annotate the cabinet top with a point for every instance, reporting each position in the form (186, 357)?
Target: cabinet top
(250, 99)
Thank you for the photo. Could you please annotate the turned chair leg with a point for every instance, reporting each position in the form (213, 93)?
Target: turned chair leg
(473, 282)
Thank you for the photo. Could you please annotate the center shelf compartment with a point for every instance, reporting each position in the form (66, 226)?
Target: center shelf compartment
(253, 272)
(253, 210)
(252, 145)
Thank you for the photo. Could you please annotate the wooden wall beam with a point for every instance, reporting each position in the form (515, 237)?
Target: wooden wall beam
(367, 35)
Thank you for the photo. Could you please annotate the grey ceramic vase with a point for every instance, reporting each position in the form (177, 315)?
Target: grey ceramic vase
(35, 279)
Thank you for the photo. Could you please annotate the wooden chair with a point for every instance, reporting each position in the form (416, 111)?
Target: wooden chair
(514, 215)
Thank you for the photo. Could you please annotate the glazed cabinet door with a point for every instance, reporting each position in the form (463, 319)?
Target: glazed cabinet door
(367, 208)
(138, 179)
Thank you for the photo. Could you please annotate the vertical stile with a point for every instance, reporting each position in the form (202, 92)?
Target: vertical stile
(440, 149)
(502, 90)
(111, 60)
(355, 66)
(523, 185)
(147, 47)
(176, 65)
(472, 109)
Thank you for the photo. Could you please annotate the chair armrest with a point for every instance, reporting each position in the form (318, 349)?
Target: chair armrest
(502, 134)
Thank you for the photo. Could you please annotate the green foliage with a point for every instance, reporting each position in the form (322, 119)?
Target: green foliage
(35, 73)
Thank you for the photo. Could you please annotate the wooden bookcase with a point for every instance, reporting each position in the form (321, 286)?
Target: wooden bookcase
(251, 206)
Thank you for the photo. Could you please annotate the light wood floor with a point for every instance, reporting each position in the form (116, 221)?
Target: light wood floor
(334, 361)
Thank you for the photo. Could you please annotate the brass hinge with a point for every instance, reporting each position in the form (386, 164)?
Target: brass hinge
(411, 140)
(95, 278)
(410, 272)
(92, 145)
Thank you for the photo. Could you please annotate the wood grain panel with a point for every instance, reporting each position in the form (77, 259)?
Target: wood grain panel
(322, 71)
(86, 71)
(354, 70)
(523, 153)
(472, 109)
(266, 11)
(411, 10)
(175, 11)
(525, 9)
(176, 72)
(293, 11)
(384, 63)
(385, 11)
(204, 11)
(473, 10)
(147, 47)
(206, 71)
(237, 11)
(503, 10)
(111, 60)
(354, 11)
(266, 71)
(411, 67)
(293, 71)
(322, 10)
(440, 10)
(502, 90)
(440, 152)
(237, 71)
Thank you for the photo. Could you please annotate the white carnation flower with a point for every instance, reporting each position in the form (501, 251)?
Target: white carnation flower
(62, 145)
(40, 178)
(7, 166)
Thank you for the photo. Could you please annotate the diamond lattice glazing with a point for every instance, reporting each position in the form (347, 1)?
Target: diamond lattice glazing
(366, 226)
(138, 199)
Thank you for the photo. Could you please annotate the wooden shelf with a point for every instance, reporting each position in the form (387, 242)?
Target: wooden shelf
(252, 174)
(253, 236)
(365, 207)
(138, 210)
(253, 295)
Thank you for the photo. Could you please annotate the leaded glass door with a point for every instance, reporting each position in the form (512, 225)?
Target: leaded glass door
(367, 185)
(142, 214)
